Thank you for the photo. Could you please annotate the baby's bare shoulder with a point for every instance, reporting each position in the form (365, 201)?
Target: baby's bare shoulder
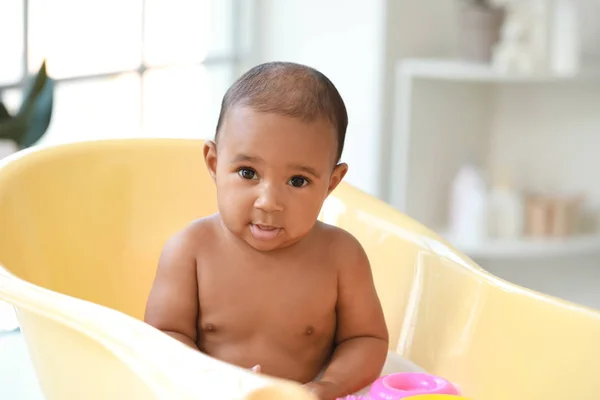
(340, 243)
(335, 235)
(195, 235)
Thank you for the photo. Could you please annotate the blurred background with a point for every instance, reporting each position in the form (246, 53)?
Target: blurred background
(479, 118)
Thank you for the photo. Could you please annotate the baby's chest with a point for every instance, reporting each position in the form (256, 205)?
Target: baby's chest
(286, 303)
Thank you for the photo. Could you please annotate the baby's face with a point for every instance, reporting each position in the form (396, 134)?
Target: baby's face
(272, 175)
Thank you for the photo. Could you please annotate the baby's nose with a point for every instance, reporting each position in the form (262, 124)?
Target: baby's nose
(269, 199)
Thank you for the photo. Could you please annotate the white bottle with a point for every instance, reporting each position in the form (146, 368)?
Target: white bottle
(505, 211)
(468, 206)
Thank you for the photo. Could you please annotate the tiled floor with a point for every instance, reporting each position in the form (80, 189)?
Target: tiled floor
(17, 378)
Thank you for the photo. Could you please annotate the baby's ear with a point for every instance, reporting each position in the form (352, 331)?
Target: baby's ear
(338, 174)
(210, 157)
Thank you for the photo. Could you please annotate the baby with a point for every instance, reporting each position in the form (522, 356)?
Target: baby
(263, 284)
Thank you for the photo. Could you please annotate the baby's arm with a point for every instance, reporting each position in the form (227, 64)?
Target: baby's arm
(172, 305)
(362, 336)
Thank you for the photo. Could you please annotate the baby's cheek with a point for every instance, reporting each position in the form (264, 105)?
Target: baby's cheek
(304, 216)
(233, 211)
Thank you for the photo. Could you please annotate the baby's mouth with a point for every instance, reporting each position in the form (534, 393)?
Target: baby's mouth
(264, 232)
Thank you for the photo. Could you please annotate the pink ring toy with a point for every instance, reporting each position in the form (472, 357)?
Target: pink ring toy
(406, 384)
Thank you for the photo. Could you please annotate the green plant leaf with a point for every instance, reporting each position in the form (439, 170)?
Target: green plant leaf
(4, 114)
(33, 118)
(39, 117)
(13, 129)
(33, 88)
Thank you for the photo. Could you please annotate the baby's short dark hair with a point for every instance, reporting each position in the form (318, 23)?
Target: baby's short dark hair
(289, 89)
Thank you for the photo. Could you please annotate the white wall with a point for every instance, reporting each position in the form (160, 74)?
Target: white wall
(344, 39)
(419, 29)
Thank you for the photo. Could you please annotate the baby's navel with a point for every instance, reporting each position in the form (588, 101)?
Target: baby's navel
(209, 327)
(309, 330)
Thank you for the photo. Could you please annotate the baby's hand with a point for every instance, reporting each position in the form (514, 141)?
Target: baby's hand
(256, 369)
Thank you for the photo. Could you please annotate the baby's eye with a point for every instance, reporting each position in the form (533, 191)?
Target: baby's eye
(298, 181)
(247, 173)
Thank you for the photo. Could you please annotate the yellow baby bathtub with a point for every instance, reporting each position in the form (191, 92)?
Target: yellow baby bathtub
(82, 227)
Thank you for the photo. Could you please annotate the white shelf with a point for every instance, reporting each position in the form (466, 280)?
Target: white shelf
(457, 70)
(447, 111)
(530, 247)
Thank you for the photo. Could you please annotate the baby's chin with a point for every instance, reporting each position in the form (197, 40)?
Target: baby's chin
(269, 245)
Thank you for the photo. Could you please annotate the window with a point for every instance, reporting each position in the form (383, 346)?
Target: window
(130, 68)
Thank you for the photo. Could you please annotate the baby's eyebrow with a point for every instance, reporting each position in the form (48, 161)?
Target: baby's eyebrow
(307, 169)
(246, 158)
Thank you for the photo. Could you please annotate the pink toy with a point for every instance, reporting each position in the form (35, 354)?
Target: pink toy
(406, 384)
(352, 397)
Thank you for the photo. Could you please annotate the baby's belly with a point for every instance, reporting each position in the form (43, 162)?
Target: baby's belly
(296, 359)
